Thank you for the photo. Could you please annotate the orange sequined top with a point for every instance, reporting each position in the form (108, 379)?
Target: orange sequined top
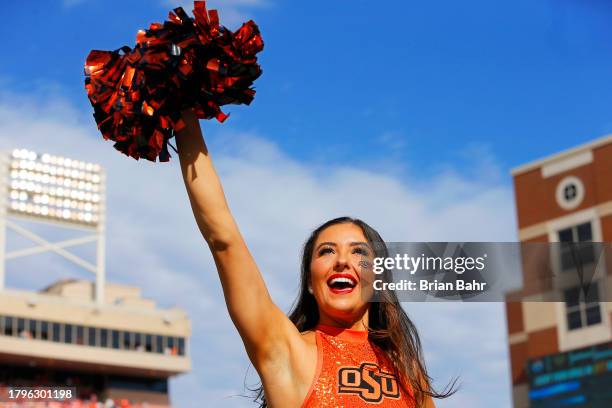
(352, 372)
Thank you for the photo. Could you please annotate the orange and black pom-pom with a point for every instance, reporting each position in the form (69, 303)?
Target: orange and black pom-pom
(185, 63)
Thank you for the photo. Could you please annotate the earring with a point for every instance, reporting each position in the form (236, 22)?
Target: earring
(310, 290)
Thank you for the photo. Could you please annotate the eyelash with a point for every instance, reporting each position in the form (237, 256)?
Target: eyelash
(360, 251)
(324, 251)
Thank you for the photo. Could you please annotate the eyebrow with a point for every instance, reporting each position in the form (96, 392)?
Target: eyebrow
(357, 243)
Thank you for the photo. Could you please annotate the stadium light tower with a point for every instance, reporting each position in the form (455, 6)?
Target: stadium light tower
(63, 192)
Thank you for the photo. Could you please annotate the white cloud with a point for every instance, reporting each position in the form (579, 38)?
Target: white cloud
(468, 341)
(153, 242)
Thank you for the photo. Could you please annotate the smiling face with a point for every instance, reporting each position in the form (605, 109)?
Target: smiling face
(338, 276)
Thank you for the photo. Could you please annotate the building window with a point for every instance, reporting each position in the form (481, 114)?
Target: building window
(91, 336)
(103, 337)
(127, 341)
(22, 330)
(570, 193)
(576, 246)
(55, 328)
(170, 346)
(138, 341)
(98, 337)
(159, 346)
(8, 326)
(582, 306)
(115, 339)
(44, 330)
(68, 329)
(80, 335)
(181, 346)
(148, 342)
(35, 329)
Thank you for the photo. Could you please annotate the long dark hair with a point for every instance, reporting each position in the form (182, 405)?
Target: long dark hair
(390, 328)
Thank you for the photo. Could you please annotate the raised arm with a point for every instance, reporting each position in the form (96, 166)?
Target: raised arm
(264, 328)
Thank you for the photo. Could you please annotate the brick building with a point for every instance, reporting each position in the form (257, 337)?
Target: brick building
(561, 352)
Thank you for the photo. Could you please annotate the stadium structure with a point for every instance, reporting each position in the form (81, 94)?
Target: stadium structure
(113, 346)
(561, 351)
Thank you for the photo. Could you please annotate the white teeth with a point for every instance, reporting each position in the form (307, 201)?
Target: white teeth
(342, 280)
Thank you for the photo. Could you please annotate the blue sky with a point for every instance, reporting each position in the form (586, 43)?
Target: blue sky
(407, 114)
(341, 78)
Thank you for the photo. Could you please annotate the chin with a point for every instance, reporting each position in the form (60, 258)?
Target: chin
(345, 308)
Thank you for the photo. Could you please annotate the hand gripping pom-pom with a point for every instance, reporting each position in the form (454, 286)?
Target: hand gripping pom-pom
(185, 63)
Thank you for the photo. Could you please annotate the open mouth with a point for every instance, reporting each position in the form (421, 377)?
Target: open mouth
(341, 283)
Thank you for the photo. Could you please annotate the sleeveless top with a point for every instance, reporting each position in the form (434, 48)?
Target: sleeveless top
(352, 372)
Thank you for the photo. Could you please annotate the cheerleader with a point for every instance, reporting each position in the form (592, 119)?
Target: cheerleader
(336, 348)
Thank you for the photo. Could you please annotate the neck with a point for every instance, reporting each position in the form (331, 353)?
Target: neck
(360, 323)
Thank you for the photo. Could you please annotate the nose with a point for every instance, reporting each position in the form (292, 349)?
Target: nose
(341, 261)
